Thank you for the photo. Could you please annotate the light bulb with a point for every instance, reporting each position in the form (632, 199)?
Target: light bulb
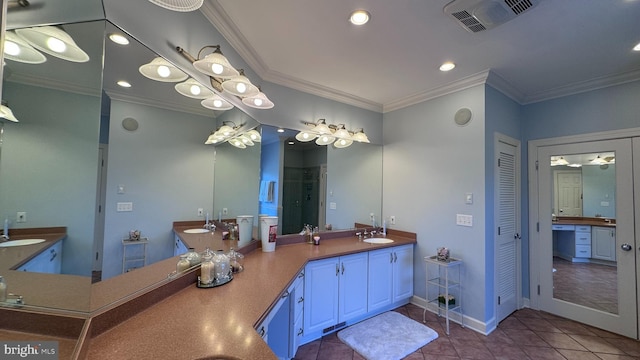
(217, 103)
(217, 68)
(11, 48)
(164, 71)
(56, 45)
(241, 88)
(343, 141)
(195, 90)
(257, 102)
(305, 135)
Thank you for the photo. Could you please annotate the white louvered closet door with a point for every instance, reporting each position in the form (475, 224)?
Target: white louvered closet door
(507, 232)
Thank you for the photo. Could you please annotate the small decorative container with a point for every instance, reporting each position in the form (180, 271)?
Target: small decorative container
(193, 257)
(442, 300)
(207, 270)
(236, 261)
(183, 264)
(442, 254)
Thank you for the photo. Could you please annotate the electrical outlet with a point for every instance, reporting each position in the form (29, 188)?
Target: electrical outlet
(371, 216)
(21, 217)
(225, 211)
(392, 219)
(200, 212)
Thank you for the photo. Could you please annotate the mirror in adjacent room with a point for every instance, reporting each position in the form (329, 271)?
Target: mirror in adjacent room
(584, 230)
(305, 183)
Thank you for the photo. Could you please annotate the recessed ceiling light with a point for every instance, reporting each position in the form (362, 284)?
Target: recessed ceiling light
(291, 143)
(359, 17)
(124, 84)
(119, 39)
(280, 130)
(447, 66)
(637, 47)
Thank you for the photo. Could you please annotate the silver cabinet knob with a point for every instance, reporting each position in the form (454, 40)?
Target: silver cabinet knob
(626, 247)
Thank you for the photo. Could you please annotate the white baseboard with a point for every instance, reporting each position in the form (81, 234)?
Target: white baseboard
(471, 323)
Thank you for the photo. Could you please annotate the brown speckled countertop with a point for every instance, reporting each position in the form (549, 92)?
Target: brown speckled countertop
(194, 323)
(579, 220)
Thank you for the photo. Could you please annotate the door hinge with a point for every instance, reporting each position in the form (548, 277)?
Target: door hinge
(498, 162)
(498, 300)
(498, 230)
(538, 289)
(536, 165)
(538, 227)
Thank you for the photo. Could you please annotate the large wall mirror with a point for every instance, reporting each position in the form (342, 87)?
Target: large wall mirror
(74, 117)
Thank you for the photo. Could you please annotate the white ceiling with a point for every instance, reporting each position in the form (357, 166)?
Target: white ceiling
(553, 49)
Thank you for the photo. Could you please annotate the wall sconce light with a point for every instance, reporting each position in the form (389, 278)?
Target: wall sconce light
(53, 41)
(225, 78)
(6, 113)
(18, 49)
(325, 134)
(179, 5)
(160, 69)
(230, 134)
(193, 89)
(215, 102)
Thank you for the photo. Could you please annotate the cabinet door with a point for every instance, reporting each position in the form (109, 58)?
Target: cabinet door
(402, 272)
(179, 248)
(353, 286)
(48, 261)
(603, 243)
(380, 278)
(320, 295)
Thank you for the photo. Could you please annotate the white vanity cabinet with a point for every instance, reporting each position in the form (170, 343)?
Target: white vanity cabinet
(603, 243)
(179, 247)
(583, 241)
(335, 293)
(390, 276)
(282, 327)
(48, 261)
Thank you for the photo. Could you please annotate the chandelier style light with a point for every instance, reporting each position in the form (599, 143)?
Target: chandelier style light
(225, 78)
(337, 135)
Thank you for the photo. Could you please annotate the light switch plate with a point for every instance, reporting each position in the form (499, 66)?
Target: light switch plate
(124, 206)
(332, 206)
(468, 198)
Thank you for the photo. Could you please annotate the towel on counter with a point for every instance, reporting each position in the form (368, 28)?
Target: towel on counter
(267, 190)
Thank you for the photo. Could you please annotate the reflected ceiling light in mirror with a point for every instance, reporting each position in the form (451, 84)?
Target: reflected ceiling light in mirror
(18, 49)
(359, 17)
(160, 69)
(240, 86)
(193, 89)
(124, 84)
(53, 41)
(119, 39)
(280, 130)
(216, 102)
(179, 5)
(259, 101)
(215, 64)
(6, 113)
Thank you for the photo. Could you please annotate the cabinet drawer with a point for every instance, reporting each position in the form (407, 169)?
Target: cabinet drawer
(563, 227)
(583, 238)
(299, 298)
(583, 228)
(583, 251)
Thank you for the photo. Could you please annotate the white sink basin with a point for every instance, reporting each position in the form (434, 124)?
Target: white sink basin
(196, 231)
(21, 242)
(378, 241)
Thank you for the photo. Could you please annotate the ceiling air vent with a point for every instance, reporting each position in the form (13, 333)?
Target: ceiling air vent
(480, 15)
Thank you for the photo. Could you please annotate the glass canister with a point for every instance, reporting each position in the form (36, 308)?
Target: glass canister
(183, 264)
(207, 270)
(193, 257)
(236, 261)
(221, 261)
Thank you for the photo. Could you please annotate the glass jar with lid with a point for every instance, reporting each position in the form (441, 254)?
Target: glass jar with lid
(221, 261)
(193, 257)
(207, 268)
(236, 261)
(183, 264)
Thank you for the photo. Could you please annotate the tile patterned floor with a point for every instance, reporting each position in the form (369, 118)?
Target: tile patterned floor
(526, 334)
(588, 284)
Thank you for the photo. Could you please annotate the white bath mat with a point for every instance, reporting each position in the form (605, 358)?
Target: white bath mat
(388, 336)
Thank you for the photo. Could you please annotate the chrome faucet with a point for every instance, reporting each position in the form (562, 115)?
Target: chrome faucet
(17, 299)
(5, 231)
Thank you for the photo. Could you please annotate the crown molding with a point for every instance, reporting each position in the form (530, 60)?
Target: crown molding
(55, 84)
(120, 96)
(583, 86)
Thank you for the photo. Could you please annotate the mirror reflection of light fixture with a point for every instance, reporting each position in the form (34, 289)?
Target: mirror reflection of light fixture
(215, 102)
(160, 69)
(179, 5)
(193, 89)
(232, 135)
(259, 101)
(53, 41)
(325, 134)
(6, 113)
(561, 161)
(254, 135)
(598, 161)
(18, 49)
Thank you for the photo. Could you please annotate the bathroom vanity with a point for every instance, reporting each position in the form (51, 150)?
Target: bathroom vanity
(583, 239)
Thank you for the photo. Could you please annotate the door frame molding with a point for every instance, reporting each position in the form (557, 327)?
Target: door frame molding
(501, 138)
(533, 234)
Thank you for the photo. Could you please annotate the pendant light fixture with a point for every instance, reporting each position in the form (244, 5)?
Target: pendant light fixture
(18, 49)
(53, 41)
(193, 89)
(160, 69)
(179, 5)
(216, 102)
